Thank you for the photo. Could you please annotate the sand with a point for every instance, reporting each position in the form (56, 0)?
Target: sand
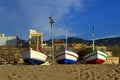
(60, 72)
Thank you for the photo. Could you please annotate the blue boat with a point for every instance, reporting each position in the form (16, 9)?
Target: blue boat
(66, 57)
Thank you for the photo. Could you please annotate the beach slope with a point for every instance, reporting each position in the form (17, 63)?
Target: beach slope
(60, 72)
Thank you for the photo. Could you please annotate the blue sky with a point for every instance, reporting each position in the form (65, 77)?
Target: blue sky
(78, 16)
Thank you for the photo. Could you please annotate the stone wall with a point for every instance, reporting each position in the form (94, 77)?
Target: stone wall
(112, 60)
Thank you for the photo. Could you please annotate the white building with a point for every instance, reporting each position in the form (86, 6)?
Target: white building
(8, 40)
(2, 34)
(35, 39)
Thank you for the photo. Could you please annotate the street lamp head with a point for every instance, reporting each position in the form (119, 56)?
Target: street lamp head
(50, 17)
(51, 21)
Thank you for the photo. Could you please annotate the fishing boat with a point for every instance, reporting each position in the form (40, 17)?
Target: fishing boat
(97, 56)
(66, 56)
(34, 55)
(31, 56)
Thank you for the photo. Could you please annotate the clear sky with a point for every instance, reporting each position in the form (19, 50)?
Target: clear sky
(78, 16)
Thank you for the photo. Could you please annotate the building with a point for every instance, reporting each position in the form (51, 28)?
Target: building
(111, 59)
(35, 39)
(78, 46)
(59, 45)
(1, 35)
(8, 40)
(101, 48)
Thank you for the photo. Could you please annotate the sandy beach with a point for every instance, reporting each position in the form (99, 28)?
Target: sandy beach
(60, 72)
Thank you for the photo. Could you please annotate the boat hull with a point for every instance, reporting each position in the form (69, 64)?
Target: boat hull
(96, 57)
(66, 57)
(33, 57)
(33, 61)
(95, 61)
(66, 61)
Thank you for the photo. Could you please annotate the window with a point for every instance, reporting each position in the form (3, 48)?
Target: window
(33, 43)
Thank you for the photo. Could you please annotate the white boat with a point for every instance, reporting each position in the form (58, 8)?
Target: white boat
(66, 56)
(33, 57)
(95, 57)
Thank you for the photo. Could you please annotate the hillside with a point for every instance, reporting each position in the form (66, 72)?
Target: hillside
(99, 42)
(108, 41)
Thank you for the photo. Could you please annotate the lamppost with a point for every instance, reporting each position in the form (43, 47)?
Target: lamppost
(52, 47)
